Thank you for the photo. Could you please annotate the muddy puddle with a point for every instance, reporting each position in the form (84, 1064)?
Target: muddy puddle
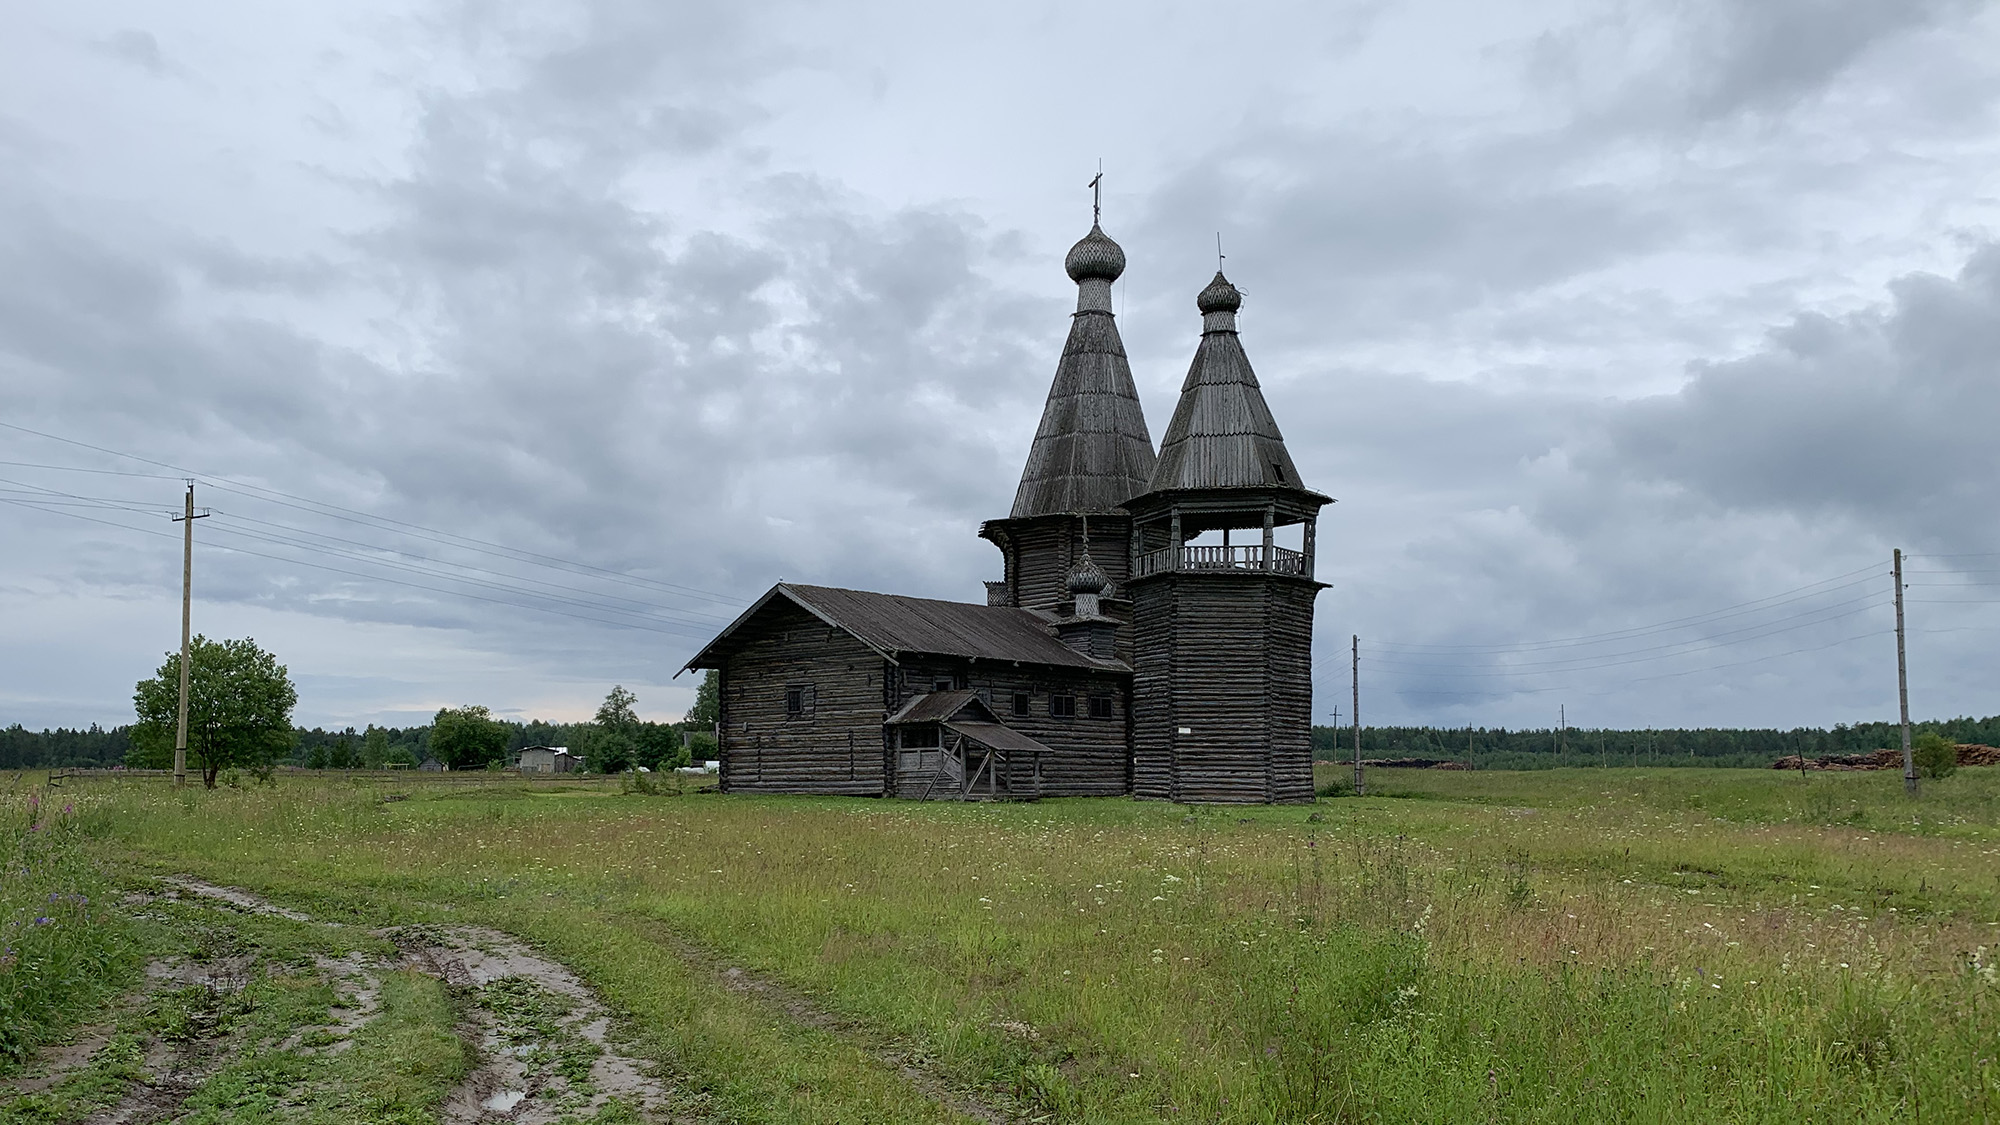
(539, 1036)
(544, 1048)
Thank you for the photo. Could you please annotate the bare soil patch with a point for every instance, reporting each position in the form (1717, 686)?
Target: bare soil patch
(542, 1034)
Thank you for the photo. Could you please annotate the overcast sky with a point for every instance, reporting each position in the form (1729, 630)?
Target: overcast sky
(1631, 337)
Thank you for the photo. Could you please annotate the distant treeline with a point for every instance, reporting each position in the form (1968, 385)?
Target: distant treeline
(21, 748)
(373, 747)
(1482, 747)
(1547, 748)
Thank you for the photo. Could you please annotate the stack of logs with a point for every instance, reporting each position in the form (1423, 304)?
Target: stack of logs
(1969, 754)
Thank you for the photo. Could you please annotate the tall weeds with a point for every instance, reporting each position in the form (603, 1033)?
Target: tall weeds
(62, 950)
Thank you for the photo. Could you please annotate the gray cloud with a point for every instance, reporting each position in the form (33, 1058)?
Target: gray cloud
(138, 48)
(591, 303)
(1882, 416)
(1768, 56)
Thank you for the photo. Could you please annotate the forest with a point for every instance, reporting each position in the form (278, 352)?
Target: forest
(1481, 747)
(1549, 747)
(372, 747)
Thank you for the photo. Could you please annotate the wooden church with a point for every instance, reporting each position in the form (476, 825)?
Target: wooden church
(1150, 634)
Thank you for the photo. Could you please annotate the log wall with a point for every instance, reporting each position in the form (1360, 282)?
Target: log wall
(1228, 658)
(1042, 552)
(1090, 756)
(837, 746)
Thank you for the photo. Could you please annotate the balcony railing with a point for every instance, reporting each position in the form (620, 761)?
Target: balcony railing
(1251, 558)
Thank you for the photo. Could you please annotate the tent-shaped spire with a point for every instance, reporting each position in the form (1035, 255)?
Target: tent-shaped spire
(1092, 452)
(1222, 434)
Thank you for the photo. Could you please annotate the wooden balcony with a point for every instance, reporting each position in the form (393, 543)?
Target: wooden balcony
(1280, 560)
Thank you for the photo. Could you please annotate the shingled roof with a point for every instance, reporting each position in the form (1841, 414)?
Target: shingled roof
(1222, 434)
(892, 624)
(1092, 451)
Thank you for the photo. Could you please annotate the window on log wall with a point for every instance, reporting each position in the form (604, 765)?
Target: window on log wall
(1062, 706)
(1021, 703)
(799, 701)
(1100, 706)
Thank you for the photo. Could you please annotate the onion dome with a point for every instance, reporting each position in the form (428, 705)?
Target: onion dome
(1087, 578)
(1095, 255)
(1220, 296)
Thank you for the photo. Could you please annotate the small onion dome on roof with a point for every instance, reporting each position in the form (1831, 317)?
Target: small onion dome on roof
(1087, 578)
(1220, 296)
(1095, 255)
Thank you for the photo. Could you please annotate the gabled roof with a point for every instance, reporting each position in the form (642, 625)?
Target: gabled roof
(938, 706)
(963, 712)
(893, 624)
(1092, 451)
(1222, 434)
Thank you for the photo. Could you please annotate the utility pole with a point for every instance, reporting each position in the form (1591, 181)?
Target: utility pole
(1903, 683)
(1360, 789)
(186, 520)
(1336, 736)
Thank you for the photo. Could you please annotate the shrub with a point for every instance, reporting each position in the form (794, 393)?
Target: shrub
(1936, 755)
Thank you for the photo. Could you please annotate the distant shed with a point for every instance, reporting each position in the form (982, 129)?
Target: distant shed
(548, 759)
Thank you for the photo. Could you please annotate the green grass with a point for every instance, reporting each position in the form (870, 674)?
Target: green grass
(260, 1026)
(63, 951)
(1642, 945)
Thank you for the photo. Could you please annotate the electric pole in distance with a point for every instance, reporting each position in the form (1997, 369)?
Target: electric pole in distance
(1903, 682)
(1360, 789)
(186, 520)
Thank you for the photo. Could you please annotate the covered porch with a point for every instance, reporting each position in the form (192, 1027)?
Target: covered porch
(950, 746)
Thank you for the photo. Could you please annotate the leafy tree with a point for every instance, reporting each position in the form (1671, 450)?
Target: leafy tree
(466, 738)
(1934, 755)
(660, 746)
(616, 712)
(342, 755)
(240, 702)
(374, 748)
(621, 741)
(610, 750)
(707, 709)
(701, 746)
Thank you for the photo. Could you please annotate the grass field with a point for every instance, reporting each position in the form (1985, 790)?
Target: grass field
(1562, 945)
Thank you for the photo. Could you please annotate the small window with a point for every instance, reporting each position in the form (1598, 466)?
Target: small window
(1021, 703)
(942, 683)
(1062, 706)
(1278, 471)
(1100, 706)
(799, 701)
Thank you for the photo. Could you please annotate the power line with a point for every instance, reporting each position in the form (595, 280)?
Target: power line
(375, 577)
(330, 511)
(344, 546)
(79, 469)
(287, 541)
(462, 566)
(449, 539)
